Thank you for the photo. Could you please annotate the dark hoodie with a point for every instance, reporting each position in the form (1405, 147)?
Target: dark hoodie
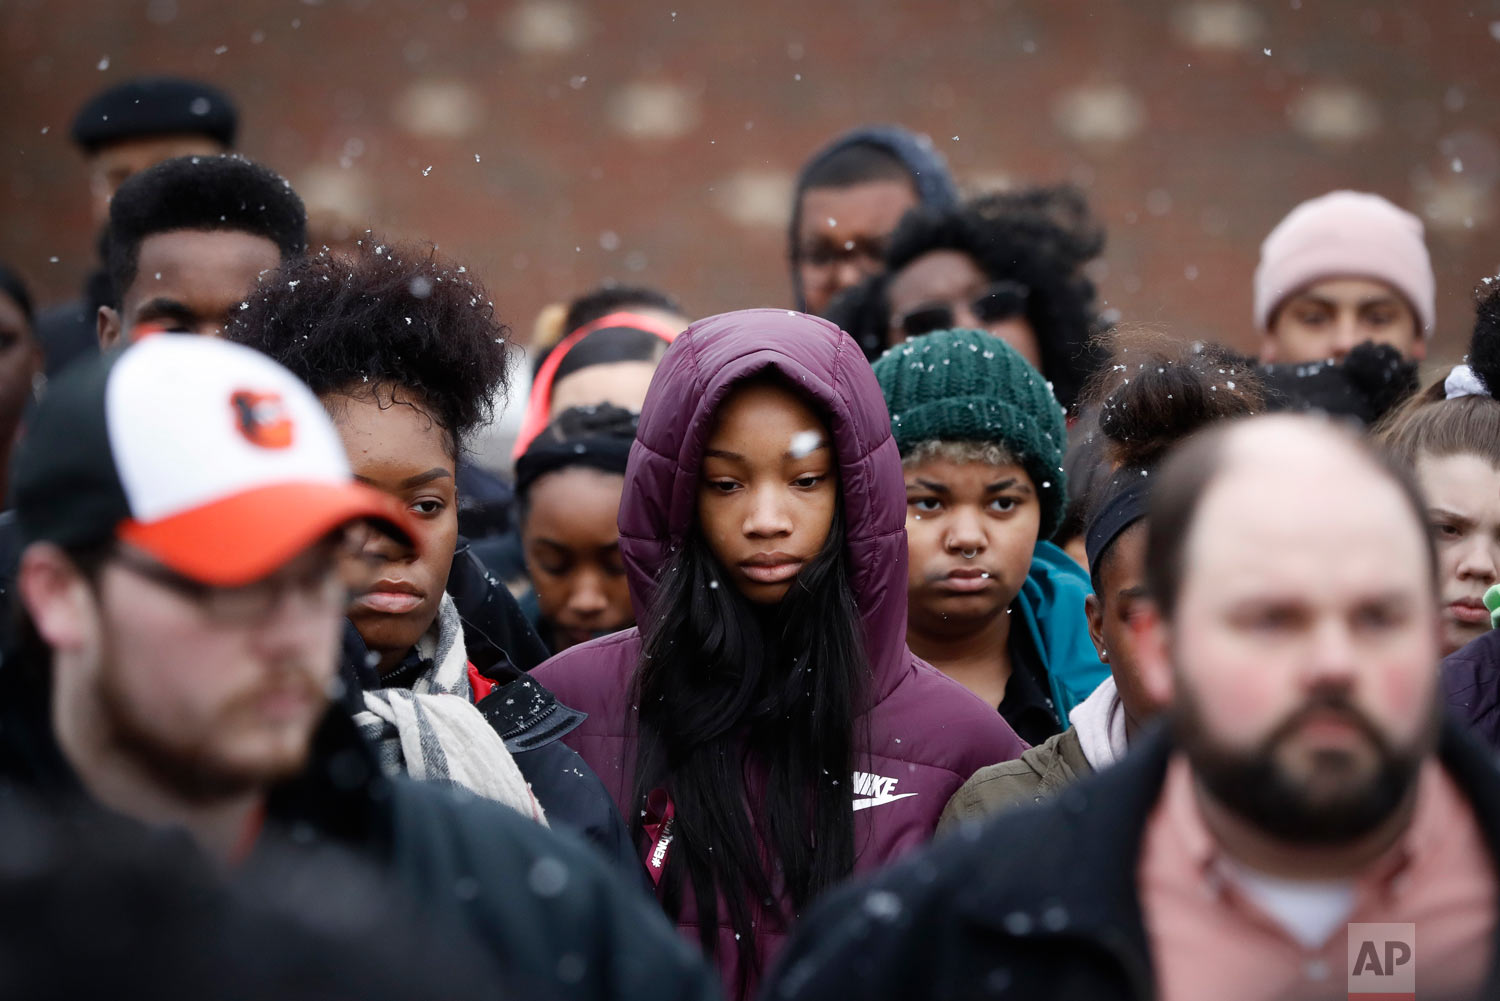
(928, 169)
(925, 734)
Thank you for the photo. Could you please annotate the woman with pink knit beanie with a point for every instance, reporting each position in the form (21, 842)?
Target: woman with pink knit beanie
(1339, 270)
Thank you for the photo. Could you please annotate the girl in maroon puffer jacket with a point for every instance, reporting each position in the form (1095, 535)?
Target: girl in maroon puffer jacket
(765, 729)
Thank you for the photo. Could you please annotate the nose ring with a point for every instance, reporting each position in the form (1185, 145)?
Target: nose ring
(969, 554)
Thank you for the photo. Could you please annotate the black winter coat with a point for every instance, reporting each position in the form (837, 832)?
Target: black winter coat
(1039, 902)
(551, 919)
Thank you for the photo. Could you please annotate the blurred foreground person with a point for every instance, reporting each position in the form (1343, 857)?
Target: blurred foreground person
(568, 487)
(189, 240)
(849, 197)
(404, 351)
(1339, 270)
(102, 907)
(191, 535)
(1010, 264)
(122, 131)
(765, 728)
(20, 363)
(992, 603)
(1306, 787)
(1152, 393)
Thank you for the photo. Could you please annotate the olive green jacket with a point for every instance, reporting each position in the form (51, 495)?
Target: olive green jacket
(1037, 774)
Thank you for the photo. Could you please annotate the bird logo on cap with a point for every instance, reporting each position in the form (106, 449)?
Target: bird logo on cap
(262, 418)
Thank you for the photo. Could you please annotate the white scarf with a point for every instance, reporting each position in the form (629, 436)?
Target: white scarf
(433, 732)
(1100, 722)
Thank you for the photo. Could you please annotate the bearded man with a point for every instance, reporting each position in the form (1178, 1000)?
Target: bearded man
(1305, 790)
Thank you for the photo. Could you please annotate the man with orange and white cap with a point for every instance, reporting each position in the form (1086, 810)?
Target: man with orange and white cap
(1339, 270)
(185, 510)
(192, 531)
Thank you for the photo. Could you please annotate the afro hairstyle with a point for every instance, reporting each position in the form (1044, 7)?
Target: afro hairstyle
(387, 318)
(201, 193)
(1040, 238)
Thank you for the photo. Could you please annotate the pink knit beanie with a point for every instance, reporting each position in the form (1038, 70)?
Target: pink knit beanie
(1345, 234)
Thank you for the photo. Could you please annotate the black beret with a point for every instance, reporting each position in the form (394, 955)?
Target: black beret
(155, 106)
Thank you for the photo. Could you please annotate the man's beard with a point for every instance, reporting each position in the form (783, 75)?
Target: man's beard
(193, 770)
(1337, 805)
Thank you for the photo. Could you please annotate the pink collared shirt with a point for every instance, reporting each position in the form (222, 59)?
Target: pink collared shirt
(1210, 940)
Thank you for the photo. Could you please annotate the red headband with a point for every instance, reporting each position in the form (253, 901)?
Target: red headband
(539, 406)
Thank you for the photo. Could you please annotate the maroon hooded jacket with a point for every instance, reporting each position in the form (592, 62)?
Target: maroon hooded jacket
(926, 733)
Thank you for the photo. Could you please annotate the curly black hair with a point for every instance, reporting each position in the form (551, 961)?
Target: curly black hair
(201, 193)
(393, 317)
(1040, 238)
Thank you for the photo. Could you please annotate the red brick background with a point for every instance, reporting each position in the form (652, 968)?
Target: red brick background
(652, 141)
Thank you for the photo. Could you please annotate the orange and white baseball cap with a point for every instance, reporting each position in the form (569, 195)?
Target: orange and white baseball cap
(207, 455)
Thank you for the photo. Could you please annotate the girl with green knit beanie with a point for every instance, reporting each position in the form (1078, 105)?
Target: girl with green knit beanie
(992, 603)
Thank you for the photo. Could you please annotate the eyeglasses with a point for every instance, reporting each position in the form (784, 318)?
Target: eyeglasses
(996, 302)
(327, 578)
(865, 254)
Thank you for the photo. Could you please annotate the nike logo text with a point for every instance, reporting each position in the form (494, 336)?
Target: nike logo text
(875, 790)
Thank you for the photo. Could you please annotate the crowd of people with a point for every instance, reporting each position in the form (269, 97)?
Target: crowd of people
(934, 633)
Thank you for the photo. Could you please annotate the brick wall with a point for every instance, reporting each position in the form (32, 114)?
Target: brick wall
(574, 140)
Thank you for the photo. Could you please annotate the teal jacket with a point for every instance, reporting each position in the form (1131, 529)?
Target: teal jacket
(1050, 606)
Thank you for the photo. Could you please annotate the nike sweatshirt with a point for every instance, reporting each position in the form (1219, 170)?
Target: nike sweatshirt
(924, 734)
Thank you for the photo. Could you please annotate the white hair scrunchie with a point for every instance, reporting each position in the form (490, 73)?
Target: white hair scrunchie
(1463, 382)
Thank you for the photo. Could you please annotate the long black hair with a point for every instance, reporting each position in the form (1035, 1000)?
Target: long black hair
(747, 720)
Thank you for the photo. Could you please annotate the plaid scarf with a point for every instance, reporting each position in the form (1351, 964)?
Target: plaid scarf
(433, 732)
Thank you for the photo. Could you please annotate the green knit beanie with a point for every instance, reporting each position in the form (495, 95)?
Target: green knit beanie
(964, 385)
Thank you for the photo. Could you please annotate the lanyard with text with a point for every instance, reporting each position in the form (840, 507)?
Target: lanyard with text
(660, 820)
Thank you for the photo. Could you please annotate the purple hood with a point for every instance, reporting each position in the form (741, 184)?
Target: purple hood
(661, 481)
(925, 734)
